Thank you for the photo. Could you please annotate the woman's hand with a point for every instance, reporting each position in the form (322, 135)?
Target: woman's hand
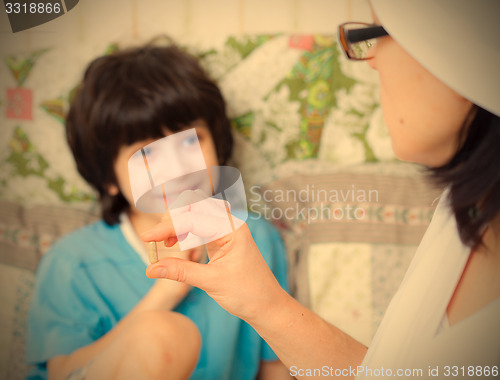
(236, 276)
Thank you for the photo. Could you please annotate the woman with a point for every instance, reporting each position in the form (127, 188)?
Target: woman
(438, 66)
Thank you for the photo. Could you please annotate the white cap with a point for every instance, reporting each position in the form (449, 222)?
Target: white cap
(458, 41)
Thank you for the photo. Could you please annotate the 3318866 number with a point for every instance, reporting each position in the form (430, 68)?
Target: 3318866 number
(470, 371)
(33, 8)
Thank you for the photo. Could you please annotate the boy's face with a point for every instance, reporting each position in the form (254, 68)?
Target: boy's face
(121, 162)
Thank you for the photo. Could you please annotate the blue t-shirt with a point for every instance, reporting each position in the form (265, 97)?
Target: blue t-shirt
(92, 278)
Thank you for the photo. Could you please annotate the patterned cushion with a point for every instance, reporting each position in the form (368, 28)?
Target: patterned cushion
(290, 97)
(25, 234)
(358, 229)
(17, 288)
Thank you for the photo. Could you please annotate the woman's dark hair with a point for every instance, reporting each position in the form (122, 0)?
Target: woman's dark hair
(133, 95)
(473, 177)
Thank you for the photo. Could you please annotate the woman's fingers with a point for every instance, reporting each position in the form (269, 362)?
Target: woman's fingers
(203, 225)
(185, 271)
(162, 231)
(170, 241)
(196, 254)
(207, 218)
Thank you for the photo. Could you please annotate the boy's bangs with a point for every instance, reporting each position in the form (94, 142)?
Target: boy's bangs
(141, 96)
(140, 115)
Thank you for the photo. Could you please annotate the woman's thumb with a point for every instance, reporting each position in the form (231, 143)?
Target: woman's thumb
(180, 270)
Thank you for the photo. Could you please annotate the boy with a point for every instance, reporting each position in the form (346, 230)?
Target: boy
(95, 314)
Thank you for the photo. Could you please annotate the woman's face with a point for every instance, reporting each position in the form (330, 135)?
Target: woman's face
(424, 116)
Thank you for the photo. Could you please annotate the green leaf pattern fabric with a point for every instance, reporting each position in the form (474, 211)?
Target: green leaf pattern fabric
(290, 98)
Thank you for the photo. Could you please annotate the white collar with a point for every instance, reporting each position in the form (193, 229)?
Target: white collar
(132, 238)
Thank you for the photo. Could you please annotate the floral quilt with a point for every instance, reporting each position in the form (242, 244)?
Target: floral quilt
(290, 98)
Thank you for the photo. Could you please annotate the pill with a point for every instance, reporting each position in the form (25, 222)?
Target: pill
(153, 252)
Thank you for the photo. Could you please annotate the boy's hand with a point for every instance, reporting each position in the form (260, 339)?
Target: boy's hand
(237, 276)
(170, 293)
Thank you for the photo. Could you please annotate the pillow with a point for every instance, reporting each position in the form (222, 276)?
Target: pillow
(289, 97)
(25, 234)
(17, 289)
(351, 230)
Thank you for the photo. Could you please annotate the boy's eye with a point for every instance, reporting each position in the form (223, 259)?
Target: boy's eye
(189, 141)
(148, 152)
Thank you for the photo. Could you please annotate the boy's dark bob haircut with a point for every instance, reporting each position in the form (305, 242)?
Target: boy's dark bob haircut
(133, 95)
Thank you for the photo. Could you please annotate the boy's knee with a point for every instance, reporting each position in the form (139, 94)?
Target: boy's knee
(159, 325)
(164, 341)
